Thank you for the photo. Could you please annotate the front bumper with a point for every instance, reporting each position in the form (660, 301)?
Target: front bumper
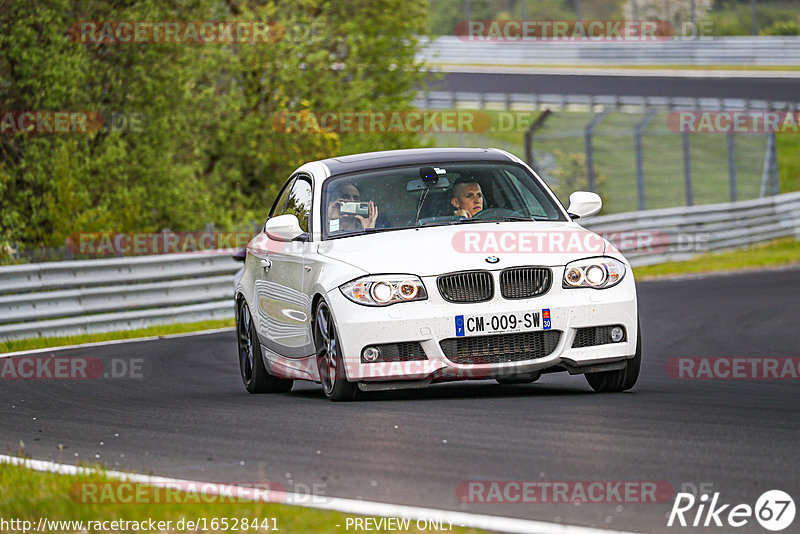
(431, 321)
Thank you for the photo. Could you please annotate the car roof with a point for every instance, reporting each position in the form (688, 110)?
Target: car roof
(413, 156)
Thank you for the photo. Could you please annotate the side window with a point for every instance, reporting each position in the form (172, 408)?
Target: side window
(299, 202)
(280, 202)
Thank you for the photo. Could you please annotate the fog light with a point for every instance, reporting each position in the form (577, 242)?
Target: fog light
(371, 354)
(617, 333)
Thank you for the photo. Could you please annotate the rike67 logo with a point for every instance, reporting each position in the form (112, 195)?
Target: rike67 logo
(774, 510)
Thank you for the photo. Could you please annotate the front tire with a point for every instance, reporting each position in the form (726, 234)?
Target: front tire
(255, 376)
(330, 360)
(621, 379)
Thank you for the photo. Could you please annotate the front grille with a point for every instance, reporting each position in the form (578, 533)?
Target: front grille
(525, 282)
(500, 348)
(594, 335)
(470, 286)
(401, 352)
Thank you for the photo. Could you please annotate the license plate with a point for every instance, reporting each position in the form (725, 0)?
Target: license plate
(502, 323)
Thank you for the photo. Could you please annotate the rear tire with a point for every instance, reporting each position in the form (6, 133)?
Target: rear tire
(621, 379)
(255, 376)
(330, 362)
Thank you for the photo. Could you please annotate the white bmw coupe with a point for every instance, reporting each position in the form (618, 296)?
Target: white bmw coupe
(404, 268)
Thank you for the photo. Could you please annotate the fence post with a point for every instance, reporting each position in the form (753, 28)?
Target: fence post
(687, 169)
(591, 179)
(732, 164)
(537, 124)
(637, 138)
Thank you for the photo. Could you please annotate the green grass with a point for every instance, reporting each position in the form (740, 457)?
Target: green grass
(31, 495)
(662, 162)
(780, 252)
(159, 330)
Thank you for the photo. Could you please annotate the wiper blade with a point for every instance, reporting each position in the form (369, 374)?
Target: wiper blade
(361, 232)
(497, 219)
(372, 230)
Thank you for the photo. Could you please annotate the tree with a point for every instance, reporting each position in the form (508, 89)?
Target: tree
(206, 148)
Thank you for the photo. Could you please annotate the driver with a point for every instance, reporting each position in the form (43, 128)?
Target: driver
(467, 198)
(347, 222)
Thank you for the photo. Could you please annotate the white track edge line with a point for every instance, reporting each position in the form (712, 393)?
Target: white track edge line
(118, 341)
(352, 506)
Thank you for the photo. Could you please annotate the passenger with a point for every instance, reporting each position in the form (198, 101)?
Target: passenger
(348, 222)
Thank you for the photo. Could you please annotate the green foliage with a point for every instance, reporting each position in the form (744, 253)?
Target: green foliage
(729, 17)
(784, 27)
(446, 14)
(204, 146)
(572, 175)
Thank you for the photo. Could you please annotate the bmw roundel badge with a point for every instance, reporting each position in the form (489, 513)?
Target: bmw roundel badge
(492, 259)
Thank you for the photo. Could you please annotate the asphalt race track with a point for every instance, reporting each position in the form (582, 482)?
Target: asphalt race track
(749, 87)
(190, 417)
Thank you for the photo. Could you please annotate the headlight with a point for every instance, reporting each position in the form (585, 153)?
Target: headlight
(598, 273)
(384, 290)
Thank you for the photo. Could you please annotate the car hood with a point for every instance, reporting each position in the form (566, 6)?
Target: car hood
(435, 250)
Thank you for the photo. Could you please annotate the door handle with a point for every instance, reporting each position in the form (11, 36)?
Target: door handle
(266, 264)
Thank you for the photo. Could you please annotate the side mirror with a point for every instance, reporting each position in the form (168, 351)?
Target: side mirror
(240, 255)
(283, 228)
(583, 204)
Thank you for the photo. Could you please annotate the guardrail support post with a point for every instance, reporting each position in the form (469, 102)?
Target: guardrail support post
(769, 176)
(591, 178)
(687, 169)
(775, 180)
(732, 164)
(637, 138)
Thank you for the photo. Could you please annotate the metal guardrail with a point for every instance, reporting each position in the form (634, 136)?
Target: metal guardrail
(675, 234)
(79, 297)
(452, 50)
(74, 297)
(560, 102)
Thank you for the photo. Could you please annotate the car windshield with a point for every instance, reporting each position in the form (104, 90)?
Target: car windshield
(429, 195)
